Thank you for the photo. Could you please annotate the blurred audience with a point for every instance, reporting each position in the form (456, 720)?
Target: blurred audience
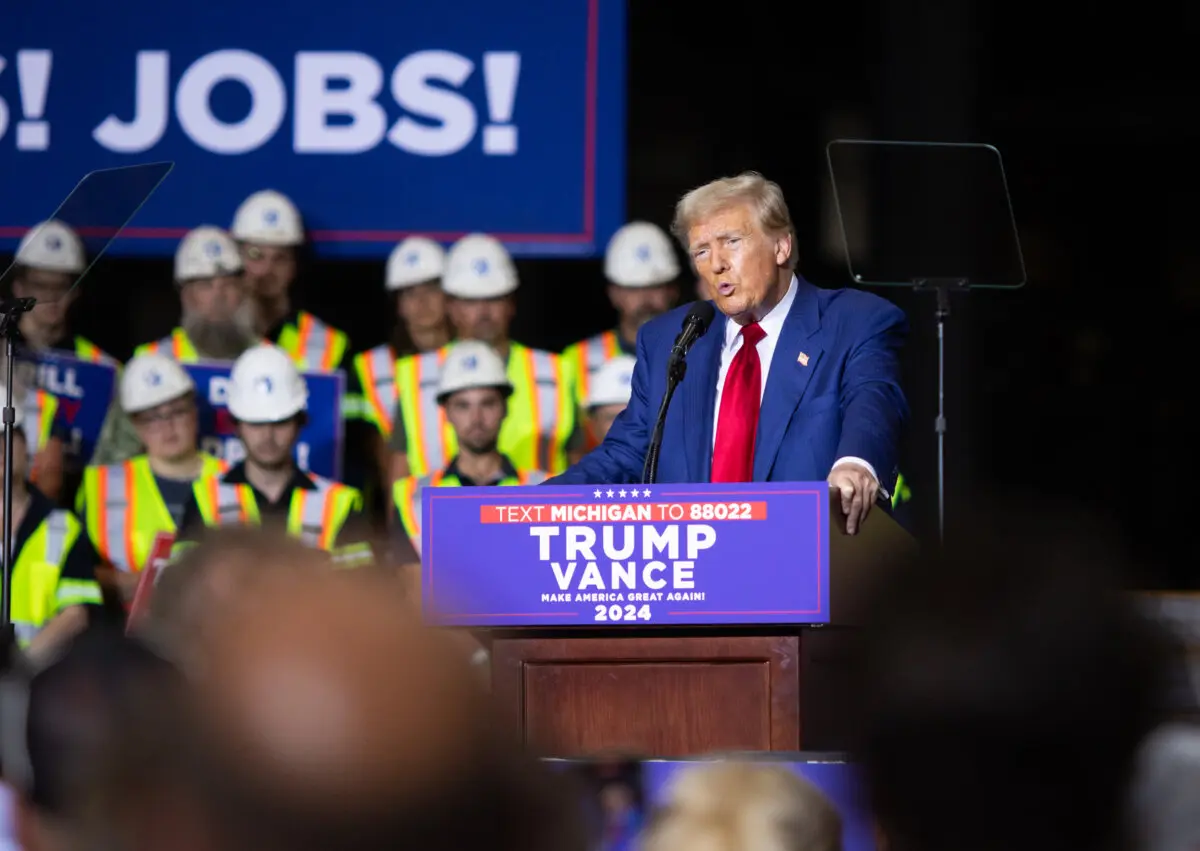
(743, 807)
(1003, 690)
(1166, 794)
(336, 722)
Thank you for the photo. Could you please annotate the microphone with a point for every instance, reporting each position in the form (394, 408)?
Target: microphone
(694, 325)
(698, 318)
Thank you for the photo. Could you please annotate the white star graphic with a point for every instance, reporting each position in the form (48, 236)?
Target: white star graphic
(646, 492)
(596, 493)
(621, 492)
(610, 493)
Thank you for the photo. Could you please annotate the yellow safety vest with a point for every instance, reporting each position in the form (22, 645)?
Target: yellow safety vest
(376, 370)
(311, 345)
(125, 511)
(406, 495)
(587, 356)
(88, 351)
(901, 492)
(314, 516)
(39, 591)
(40, 407)
(540, 421)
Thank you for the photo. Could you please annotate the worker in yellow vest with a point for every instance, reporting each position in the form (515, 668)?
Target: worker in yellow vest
(52, 585)
(473, 390)
(267, 400)
(641, 268)
(126, 506)
(217, 316)
(270, 231)
(50, 258)
(414, 277)
(609, 394)
(541, 427)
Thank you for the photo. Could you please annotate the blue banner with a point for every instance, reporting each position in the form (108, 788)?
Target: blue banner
(633, 555)
(319, 449)
(85, 391)
(377, 119)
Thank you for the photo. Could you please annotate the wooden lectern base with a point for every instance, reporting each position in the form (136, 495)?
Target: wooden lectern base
(670, 696)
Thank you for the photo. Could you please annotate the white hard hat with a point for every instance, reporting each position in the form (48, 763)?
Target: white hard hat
(265, 386)
(150, 380)
(613, 383)
(18, 408)
(414, 261)
(640, 255)
(478, 267)
(472, 364)
(268, 218)
(206, 252)
(53, 247)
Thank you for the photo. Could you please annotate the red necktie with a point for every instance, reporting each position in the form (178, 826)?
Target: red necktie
(737, 422)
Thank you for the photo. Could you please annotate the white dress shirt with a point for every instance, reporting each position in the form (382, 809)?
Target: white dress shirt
(772, 326)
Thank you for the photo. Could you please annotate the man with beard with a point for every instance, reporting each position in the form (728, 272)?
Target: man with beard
(217, 323)
(473, 391)
(541, 426)
(218, 319)
(267, 400)
(270, 232)
(641, 269)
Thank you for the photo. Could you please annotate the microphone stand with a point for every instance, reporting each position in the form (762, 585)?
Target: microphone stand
(675, 371)
(10, 315)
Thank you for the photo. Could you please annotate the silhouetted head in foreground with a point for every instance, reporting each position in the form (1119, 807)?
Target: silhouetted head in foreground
(323, 717)
(1003, 691)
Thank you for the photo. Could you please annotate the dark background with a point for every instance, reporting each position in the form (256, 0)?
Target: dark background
(1076, 385)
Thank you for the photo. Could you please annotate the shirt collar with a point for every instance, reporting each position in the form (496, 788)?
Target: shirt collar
(772, 323)
(507, 471)
(236, 475)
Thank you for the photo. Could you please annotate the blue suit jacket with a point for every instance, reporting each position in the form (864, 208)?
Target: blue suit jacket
(847, 401)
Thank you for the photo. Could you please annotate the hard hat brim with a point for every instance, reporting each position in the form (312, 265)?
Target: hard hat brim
(505, 389)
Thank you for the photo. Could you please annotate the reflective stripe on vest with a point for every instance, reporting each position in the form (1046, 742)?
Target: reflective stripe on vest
(40, 408)
(39, 592)
(88, 351)
(376, 370)
(314, 516)
(406, 495)
(177, 345)
(430, 438)
(540, 420)
(589, 355)
(312, 344)
(125, 511)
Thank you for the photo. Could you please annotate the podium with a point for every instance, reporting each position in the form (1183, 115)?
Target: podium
(749, 666)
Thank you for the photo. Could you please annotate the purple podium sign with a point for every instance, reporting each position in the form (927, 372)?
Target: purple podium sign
(653, 555)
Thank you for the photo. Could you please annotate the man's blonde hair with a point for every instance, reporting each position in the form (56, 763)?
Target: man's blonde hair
(763, 196)
(743, 807)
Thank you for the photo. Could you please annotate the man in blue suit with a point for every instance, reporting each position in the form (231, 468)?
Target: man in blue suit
(790, 383)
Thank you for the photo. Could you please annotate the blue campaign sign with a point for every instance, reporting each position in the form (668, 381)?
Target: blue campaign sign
(644, 555)
(377, 119)
(85, 392)
(319, 449)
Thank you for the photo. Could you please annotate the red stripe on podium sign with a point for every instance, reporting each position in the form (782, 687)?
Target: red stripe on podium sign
(641, 512)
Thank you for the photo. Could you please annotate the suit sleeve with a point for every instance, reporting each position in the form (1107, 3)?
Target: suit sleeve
(619, 459)
(873, 404)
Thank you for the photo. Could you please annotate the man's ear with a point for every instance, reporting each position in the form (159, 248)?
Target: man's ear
(783, 249)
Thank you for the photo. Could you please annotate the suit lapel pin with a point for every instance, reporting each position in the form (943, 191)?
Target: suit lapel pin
(802, 359)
